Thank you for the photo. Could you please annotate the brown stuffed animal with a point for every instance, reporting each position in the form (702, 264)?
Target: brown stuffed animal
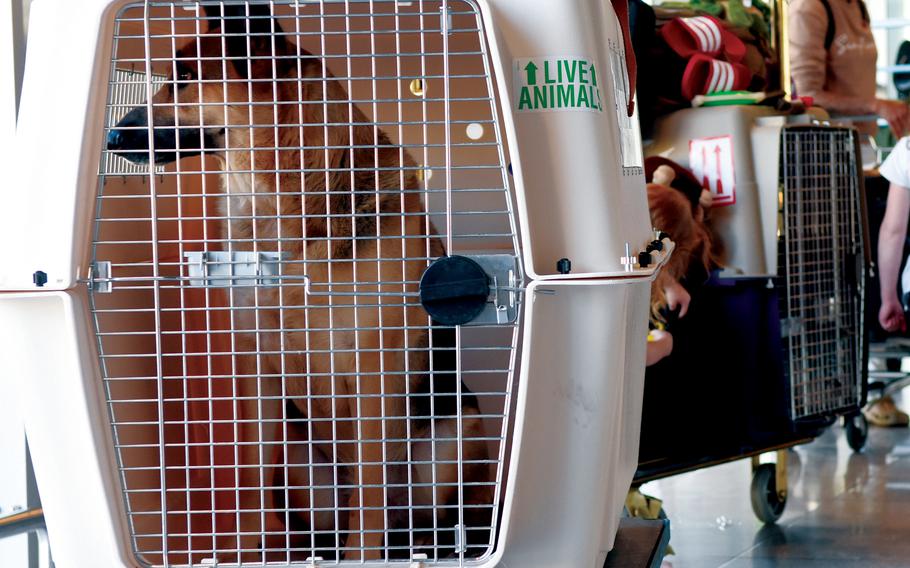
(675, 214)
(672, 213)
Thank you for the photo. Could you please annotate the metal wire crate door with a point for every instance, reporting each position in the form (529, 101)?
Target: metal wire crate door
(276, 391)
(824, 269)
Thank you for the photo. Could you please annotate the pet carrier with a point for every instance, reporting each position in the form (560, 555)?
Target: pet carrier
(325, 282)
(779, 336)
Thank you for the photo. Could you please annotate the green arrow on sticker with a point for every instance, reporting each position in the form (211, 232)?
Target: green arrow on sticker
(532, 73)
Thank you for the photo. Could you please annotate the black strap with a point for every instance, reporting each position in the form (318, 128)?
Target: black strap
(829, 33)
(621, 9)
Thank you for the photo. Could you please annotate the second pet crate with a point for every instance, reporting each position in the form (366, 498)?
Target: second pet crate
(773, 348)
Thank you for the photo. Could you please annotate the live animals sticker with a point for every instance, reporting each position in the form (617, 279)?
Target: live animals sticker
(556, 83)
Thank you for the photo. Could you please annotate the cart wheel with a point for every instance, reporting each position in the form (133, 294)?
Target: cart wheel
(856, 428)
(766, 502)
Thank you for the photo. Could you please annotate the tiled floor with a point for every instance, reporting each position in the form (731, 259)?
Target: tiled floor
(844, 509)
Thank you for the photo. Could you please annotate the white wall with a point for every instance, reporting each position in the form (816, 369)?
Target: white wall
(20, 551)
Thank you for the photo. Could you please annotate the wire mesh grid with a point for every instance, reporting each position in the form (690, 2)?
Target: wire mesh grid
(276, 391)
(127, 90)
(823, 266)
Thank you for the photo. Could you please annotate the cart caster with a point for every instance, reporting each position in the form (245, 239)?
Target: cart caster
(767, 502)
(856, 428)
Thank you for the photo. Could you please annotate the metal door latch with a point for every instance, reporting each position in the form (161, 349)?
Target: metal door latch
(233, 268)
(472, 289)
(791, 326)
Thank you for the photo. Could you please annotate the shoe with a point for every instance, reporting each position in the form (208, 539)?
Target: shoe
(883, 412)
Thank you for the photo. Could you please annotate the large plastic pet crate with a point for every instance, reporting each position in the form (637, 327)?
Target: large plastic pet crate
(325, 282)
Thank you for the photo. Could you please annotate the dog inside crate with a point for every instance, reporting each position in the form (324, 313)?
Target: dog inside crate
(276, 179)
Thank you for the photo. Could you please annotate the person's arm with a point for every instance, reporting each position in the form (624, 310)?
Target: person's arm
(808, 25)
(890, 250)
(660, 345)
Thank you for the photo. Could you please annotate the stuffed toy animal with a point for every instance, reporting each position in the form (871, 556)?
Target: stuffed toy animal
(678, 206)
(675, 214)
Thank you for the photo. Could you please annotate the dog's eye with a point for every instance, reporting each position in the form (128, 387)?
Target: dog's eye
(184, 74)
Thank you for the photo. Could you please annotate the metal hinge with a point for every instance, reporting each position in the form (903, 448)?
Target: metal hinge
(99, 277)
(445, 20)
(460, 547)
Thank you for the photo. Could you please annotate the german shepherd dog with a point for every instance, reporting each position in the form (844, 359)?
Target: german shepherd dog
(355, 382)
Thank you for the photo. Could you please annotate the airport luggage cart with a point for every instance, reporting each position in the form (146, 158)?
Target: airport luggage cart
(763, 363)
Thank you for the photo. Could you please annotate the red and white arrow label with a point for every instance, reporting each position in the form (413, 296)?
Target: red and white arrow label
(711, 160)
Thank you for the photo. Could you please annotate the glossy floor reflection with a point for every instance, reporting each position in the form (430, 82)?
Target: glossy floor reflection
(844, 509)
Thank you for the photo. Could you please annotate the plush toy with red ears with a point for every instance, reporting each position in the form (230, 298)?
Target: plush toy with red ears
(675, 212)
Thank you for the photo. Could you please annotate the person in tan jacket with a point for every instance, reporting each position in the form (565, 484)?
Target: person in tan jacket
(834, 61)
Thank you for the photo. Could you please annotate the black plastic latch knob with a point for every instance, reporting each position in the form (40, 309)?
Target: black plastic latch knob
(454, 290)
(39, 278)
(644, 259)
(564, 266)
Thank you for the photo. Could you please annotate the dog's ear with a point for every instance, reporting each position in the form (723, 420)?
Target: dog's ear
(212, 16)
(250, 28)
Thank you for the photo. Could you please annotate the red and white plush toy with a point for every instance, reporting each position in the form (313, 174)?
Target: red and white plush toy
(713, 54)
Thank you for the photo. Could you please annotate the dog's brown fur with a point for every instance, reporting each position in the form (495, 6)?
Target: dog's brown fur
(321, 370)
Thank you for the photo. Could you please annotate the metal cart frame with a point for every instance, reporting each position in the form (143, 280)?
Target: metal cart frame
(797, 342)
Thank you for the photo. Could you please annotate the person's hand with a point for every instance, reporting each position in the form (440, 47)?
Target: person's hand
(660, 344)
(897, 114)
(891, 315)
(677, 297)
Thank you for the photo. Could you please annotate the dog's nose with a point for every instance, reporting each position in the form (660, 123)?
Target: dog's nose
(114, 140)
